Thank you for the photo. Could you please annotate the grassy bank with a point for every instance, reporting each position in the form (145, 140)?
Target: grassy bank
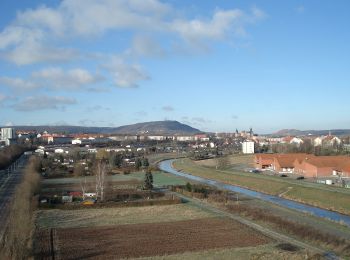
(328, 199)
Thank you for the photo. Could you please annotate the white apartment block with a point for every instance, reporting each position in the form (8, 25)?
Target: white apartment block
(248, 147)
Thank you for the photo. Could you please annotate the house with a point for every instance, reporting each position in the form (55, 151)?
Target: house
(296, 140)
(59, 150)
(331, 140)
(156, 137)
(263, 161)
(328, 140)
(307, 165)
(76, 141)
(318, 141)
(185, 138)
(201, 137)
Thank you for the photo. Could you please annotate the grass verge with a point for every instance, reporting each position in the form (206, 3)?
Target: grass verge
(318, 197)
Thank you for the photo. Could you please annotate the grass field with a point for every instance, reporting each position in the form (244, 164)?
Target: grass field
(155, 158)
(232, 160)
(151, 239)
(117, 216)
(317, 196)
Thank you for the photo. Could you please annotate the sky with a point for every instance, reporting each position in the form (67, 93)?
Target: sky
(215, 65)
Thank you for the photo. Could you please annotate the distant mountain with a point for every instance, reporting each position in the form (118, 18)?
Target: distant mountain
(295, 132)
(156, 127)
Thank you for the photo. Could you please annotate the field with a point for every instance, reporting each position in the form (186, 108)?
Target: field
(121, 181)
(117, 216)
(328, 198)
(232, 160)
(155, 158)
(185, 231)
(125, 241)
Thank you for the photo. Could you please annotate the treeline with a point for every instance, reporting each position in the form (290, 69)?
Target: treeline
(17, 240)
(11, 153)
(306, 147)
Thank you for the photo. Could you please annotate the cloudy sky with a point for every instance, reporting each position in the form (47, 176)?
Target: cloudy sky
(216, 65)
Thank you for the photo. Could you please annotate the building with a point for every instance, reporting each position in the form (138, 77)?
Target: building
(185, 138)
(248, 147)
(8, 135)
(328, 140)
(307, 165)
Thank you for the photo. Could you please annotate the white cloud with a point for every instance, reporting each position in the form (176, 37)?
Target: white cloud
(35, 33)
(33, 103)
(33, 52)
(53, 78)
(58, 78)
(17, 83)
(222, 24)
(43, 17)
(126, 75)
(215, 28)
(88, 17)
(9, 124)
(145, 46)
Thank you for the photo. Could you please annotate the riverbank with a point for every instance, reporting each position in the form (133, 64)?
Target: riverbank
(314, 196)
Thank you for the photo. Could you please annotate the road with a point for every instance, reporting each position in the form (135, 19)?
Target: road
(8, 182)
(270, 233)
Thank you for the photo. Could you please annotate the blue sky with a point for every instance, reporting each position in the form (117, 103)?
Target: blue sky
(216, 65)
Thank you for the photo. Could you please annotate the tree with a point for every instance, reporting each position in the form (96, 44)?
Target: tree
(138, 163)
(188, 187)
(79, 170)
(118, 160)
(112, 160)
(148, 182)
(100, 174)
(145, 162)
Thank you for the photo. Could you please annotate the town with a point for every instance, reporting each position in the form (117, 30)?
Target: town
(125, 173)
(167, 129)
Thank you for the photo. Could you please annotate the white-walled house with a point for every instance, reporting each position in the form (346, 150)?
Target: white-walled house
(296, 140)
(76, 141)
(318, 140)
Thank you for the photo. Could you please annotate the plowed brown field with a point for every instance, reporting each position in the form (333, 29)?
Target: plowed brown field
(152, 239)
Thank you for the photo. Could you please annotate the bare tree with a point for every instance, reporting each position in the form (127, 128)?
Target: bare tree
(83, 186)
(100, 179)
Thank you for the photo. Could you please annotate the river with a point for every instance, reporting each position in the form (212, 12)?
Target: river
(323, 213)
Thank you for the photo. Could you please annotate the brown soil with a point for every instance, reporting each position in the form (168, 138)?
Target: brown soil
(125, 241)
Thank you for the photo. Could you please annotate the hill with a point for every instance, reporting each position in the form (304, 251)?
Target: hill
(155, 127)
(295, 132)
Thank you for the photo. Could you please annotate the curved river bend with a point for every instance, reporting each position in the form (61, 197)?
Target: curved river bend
(323, 213)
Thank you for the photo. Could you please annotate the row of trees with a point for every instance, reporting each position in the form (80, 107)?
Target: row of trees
(11, 153)
(306, 147)
(16, 243)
